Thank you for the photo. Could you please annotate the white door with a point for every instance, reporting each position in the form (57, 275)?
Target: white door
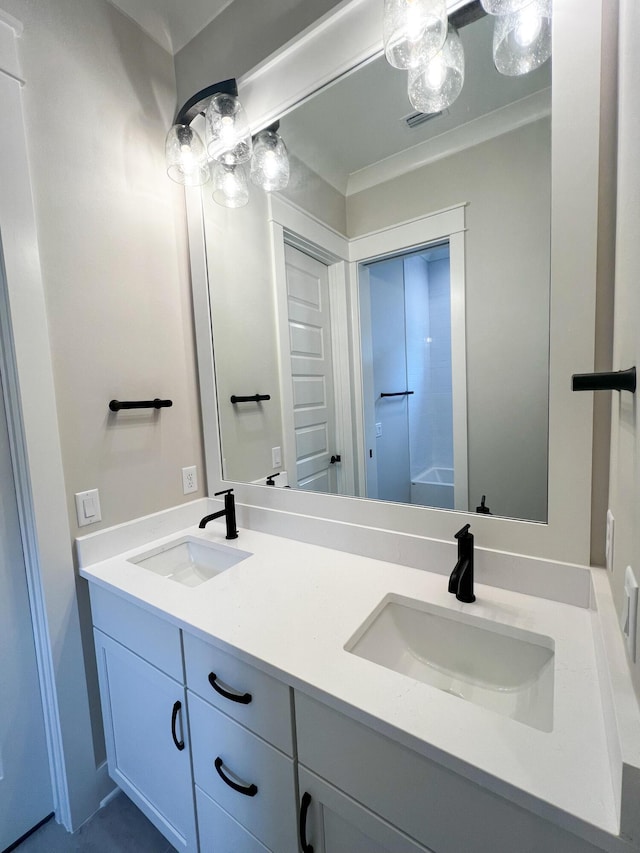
(25, 783)
(309, 321)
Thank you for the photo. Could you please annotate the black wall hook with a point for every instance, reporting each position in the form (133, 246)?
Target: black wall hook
(617, 380)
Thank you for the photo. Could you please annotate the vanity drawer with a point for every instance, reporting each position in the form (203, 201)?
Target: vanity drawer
(153, 638)
(270, 813)
(222, 680)
(219, 832)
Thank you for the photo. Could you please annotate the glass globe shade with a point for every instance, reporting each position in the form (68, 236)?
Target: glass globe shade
(435, 86)
(230, 186)
(185, 156)
(413, 31)
(522, 41)
(503, 7)
(269, 162)
(228, 137)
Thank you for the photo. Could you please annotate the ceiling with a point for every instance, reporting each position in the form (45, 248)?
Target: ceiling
(172, 23)
(358, 121)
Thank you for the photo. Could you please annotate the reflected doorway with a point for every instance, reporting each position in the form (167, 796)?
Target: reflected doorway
(408, 378)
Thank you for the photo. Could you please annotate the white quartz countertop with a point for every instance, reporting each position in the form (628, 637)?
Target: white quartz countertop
(291, 607)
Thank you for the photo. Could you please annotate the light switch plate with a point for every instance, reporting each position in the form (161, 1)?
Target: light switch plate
(88, 507)
(276, 457)
(608, 548)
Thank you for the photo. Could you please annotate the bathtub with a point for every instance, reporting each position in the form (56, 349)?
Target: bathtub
(433, 487)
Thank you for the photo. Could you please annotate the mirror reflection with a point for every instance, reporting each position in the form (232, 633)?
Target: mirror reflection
(393, 301)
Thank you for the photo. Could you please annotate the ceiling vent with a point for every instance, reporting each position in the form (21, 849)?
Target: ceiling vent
(416, 119)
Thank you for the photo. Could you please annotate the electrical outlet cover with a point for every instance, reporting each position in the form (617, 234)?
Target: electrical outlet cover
(189, 480)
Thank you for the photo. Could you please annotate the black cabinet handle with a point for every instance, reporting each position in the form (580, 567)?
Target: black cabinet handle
(242, 698)
(247, 790)
(304, 811)
(174, 717)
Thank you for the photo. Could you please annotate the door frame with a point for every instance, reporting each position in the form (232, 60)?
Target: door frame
(448, 224)
(32, 419)
(291, 225)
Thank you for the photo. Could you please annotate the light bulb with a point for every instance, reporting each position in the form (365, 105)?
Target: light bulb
(185, 156)
(230, 188)
(228, 136)
(522, 40)
(413, 31)
(435, 86)
(269, 162)
(528, 27)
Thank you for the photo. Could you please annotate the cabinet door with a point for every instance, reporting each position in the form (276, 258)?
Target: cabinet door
(146, 736)
(331, 822)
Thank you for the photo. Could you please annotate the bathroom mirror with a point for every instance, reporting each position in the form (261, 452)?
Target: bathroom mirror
(343, 40)
(440, 395)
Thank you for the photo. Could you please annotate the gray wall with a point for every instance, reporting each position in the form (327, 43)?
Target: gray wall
(506, 183)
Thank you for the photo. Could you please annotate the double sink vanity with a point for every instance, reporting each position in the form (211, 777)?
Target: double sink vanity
(270, 694)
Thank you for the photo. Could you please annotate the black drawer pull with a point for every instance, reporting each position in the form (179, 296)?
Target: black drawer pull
(304, 811)
(174, 717)
(242, 698)
(247, 790)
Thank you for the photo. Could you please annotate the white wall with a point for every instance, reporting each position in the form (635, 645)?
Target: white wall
(624, 497)
(98, 99)
(506, 183)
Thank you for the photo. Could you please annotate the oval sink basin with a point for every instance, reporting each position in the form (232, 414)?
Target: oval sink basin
(504, 669)
(189, 560)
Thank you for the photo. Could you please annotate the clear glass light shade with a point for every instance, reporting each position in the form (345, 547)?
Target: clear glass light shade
(228, 136)
(230, 185)
(269, 162)
(503, 7)
(186, 157)
(435, 86)
(413, 31)
(522, 41)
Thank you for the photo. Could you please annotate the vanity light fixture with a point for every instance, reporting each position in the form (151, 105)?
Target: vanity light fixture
(522, 40)
(413, 31)
(436, 85)
(229, 145)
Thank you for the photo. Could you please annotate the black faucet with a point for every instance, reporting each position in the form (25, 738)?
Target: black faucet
(461, 580)
(229, 513)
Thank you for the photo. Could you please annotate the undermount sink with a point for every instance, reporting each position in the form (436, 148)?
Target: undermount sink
(507, 670)
(189, 560)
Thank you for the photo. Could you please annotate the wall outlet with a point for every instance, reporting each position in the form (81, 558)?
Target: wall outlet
(189, 480)
(88, 507)
(608, 547)
(276, 457)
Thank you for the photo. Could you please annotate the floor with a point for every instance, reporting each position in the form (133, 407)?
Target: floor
(117, 828)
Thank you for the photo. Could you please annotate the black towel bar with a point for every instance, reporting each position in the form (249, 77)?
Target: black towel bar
(116, 405)
(253, 398)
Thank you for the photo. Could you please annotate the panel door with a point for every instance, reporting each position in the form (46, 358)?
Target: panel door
(332, 822)
(309, 321)
(147, 740)
(25, 783)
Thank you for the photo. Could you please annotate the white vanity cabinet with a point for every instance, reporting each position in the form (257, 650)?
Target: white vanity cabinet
(242, 737)
(365, 784)
(143, 698)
